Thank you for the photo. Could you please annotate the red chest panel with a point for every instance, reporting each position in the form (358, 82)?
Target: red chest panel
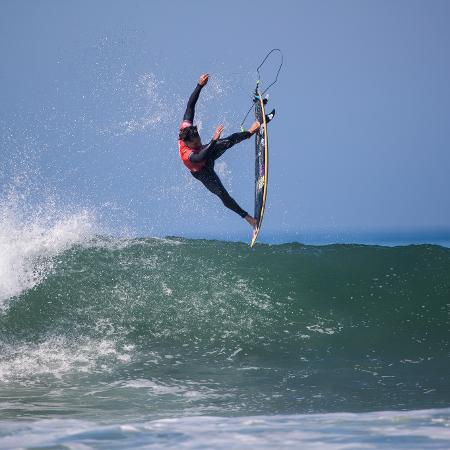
(185, 151)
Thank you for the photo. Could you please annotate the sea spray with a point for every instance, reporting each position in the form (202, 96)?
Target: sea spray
(30, 241)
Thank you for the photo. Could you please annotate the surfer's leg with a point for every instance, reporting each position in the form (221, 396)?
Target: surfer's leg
(224, 144)
(212, 182)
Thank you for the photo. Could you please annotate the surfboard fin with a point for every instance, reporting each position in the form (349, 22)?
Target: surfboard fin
(270, 116)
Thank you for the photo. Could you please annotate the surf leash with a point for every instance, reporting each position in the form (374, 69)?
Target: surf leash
(258, 81)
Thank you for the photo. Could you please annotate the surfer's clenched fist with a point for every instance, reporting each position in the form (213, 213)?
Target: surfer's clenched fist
(204, 77)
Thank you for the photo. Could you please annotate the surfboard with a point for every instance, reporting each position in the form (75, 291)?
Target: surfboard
(261, 165)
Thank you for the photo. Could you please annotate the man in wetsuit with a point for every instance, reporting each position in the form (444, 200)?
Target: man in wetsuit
(199, 159)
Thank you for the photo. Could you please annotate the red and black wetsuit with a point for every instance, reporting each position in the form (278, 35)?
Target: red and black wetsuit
(200, 161)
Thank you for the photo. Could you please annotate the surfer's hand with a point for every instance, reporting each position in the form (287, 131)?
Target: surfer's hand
(218, 132)
(255, 127)
(204, 77)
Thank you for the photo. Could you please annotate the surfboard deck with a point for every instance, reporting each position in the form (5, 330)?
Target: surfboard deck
(261, 165)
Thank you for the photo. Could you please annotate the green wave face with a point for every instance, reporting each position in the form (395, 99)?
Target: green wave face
(206, 327)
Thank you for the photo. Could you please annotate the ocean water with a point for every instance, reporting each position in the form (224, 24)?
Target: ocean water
(180, 343)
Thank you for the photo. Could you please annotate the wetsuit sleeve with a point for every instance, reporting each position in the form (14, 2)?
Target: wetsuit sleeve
(190, 109)
(203, 153)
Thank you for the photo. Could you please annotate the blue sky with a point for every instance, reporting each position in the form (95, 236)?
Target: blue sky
(92, 94)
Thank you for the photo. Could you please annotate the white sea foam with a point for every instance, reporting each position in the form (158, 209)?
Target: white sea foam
(58, 356)
(29, 242)
(426, 429)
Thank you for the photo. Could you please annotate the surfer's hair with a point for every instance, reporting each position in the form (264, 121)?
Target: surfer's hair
(188, 134)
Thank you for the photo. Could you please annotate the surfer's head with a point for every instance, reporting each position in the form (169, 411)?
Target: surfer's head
(190, 136)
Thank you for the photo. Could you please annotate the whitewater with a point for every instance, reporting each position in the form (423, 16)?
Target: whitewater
(110, 342)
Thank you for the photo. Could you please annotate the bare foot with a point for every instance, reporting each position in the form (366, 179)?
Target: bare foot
(252, 221)
(255, 127)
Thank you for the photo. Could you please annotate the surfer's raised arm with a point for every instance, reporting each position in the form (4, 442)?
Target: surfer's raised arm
(190, 109)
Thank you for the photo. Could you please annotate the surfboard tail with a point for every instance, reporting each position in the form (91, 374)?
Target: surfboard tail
(254, 237)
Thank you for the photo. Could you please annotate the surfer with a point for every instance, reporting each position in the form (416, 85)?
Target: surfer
(199, 158)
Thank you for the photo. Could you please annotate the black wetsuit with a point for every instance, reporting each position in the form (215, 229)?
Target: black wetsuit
(209, 153)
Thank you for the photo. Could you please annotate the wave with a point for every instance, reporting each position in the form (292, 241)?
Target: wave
(287, 327)
(29, 242)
